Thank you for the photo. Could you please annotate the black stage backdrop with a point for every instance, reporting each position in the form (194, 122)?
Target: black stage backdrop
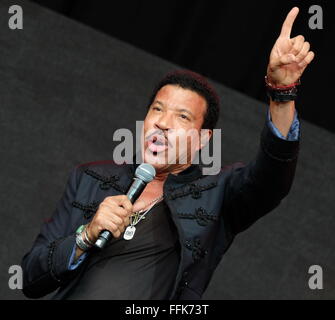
(64, 90)
(229, 41)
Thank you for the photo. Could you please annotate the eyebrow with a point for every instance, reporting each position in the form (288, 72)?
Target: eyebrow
(180, 110)
(157, 101)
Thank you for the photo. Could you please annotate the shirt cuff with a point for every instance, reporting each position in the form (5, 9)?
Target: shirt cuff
(293, 134)
(72, 265)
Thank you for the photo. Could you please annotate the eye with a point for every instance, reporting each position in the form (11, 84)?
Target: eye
(183, 116)
(156, 108)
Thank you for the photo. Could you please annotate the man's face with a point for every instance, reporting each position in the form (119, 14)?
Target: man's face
(172, 128)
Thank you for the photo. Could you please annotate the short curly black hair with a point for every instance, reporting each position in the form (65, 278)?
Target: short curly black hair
(193, 81)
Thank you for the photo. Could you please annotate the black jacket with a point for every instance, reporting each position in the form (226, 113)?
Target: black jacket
(217, 208)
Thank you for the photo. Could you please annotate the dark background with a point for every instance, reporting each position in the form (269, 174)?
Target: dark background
(228, 41)
(65, 88)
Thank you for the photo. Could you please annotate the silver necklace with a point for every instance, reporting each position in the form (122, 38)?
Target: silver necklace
(136, 218)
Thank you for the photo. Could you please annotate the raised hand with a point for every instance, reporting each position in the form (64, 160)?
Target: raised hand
(289, 56)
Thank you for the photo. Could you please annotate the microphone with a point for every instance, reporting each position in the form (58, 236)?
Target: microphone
(143, 175)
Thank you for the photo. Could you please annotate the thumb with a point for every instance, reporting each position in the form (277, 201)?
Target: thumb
(283, 60)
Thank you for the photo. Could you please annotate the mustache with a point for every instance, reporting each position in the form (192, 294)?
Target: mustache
(161, 134)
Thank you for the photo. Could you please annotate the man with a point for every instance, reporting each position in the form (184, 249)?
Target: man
(184, 220)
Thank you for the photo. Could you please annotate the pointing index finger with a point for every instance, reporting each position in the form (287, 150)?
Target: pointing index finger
(288, 23)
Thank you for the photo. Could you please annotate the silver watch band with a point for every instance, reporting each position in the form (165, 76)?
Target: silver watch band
(81, 243)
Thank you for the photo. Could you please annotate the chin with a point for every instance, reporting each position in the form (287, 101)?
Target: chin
(157, 161)
(154, 160)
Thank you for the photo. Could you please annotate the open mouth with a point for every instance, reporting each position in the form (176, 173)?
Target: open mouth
(157, 144)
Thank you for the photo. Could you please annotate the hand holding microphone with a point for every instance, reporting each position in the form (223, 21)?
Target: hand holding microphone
(112, 216)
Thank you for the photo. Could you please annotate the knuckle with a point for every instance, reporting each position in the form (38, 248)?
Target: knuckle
(101, 213)
(296, 46)
(113, 228)
(97, 220)
(121, 197)
(118, 220)
(300, 38)
(127, 212)
(118, 213)
(117, 234)
(110, 201)
(103, 205)
(107, 199)
(122, 212)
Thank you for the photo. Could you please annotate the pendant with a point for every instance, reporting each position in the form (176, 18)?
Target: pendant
(129, 233)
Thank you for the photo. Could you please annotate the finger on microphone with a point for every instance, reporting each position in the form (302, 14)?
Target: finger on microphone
(114, 229)
(127, 205)
(116, 219)
(120, 200)
(115, 199)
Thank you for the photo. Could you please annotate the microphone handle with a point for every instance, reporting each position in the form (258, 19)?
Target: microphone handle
(136, 189)
(133, 193)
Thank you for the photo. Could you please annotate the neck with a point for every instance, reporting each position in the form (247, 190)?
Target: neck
(162, 174)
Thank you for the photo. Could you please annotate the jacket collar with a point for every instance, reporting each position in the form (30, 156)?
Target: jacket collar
(191, 173)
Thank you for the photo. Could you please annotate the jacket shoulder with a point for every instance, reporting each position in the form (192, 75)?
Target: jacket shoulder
(104, 167)
(107, 172)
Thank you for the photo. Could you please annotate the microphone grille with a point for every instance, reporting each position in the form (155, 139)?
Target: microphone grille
(145, 172)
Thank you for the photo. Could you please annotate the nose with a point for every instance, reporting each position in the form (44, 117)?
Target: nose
(163, 122)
